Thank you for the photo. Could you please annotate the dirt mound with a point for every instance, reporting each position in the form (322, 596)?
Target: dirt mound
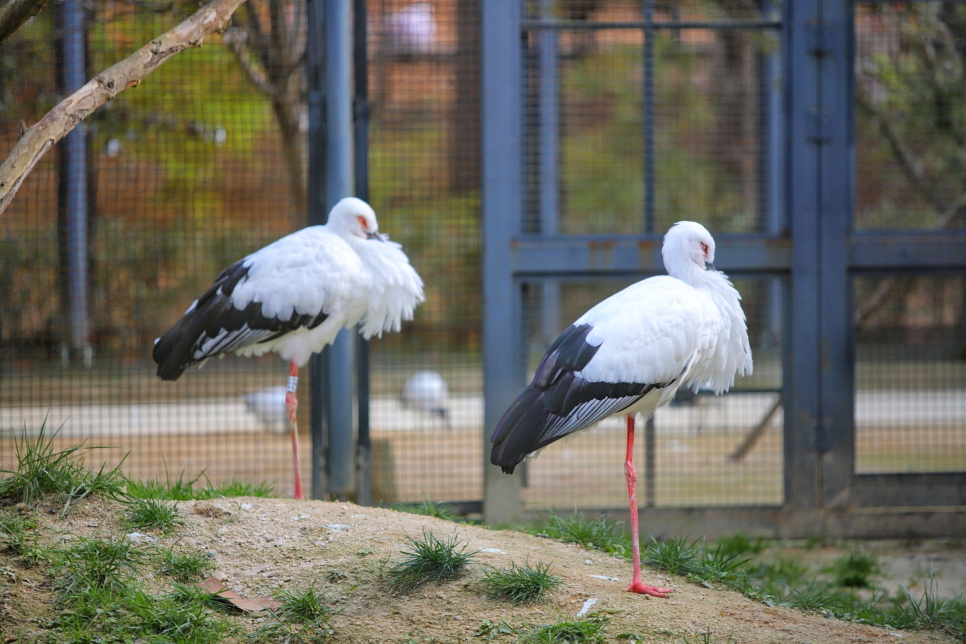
(261, 546)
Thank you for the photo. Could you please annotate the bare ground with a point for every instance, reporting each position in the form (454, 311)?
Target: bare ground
(263, 545)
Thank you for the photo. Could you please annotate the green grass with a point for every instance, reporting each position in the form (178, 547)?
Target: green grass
(732, 563)
(127, 614)
(429, 560)
(184, 489)
(43, 471)
(184, 567)
(598, 534)
(740, 543)
(429, 508)
(520, 584)
(99, 564)
(18, 537)
(303, 618)
(147, 514)
(587, 630)
(854, 570)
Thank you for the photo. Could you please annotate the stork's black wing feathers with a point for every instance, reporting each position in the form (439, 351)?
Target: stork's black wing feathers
(558, 402)
(214, 316)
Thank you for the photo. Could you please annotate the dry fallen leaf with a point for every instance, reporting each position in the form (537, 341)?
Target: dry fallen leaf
(218, 590)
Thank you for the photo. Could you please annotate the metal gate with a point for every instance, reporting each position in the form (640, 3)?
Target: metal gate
(781, 203)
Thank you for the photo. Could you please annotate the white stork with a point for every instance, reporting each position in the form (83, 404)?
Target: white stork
(628, 355)
(294, 296)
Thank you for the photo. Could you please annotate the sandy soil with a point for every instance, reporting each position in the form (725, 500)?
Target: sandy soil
(263, 545)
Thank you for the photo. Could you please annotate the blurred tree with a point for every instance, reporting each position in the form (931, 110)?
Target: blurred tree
(911, 113)
(272, 56)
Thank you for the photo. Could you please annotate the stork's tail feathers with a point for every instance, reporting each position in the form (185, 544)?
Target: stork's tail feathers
(173, 350)
(511, 440)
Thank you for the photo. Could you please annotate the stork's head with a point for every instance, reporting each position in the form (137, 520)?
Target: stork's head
(353, 217)
(688, 247)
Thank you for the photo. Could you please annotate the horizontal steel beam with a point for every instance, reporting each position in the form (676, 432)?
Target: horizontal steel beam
(584, 25)
(617, 255)
(562, 256)
(916, 250)
(909, 490)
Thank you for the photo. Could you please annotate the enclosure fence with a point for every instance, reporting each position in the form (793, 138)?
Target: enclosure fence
(528, 155)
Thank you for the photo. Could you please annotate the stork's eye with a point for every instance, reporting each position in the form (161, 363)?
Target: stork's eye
(362, 222)
(704, 249)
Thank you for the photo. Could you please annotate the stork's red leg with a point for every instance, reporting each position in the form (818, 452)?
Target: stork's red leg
(630, 473)
(291, 406)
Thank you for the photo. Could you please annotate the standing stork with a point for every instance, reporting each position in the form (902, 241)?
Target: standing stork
(628, 355)
(294, 296)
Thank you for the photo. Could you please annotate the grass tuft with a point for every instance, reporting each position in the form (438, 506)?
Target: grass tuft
(303, 618)
(17, 537)
(185, 567)
(854, 570)
(185, 489)
(741, 544)
(597, 534)
(147, 514)
(42, 470)
(588, 630)
(675, 556)
(99, 564)
(430, 560)
(429, 508)
(520, 584)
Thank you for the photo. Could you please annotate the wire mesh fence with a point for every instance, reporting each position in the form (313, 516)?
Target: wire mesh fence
(200, 165)
(627, 129)
(910, 336)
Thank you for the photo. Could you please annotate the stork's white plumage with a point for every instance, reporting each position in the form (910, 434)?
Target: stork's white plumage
(629, 355)
(427, 392)
(295, 295)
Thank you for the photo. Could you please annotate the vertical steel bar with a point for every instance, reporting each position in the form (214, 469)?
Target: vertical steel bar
(837, 437)
(801, 394)
(337, 97)
(76, 178)
(361, 156)
(318, 363)
(502, 215)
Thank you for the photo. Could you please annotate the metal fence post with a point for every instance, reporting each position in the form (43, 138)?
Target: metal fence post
(502, 204)
(74, 180)
(337, 98)
(361, 154)
(837, 437)
(329, 64)
(803, 117)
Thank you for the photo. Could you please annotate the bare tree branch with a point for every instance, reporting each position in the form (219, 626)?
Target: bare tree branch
(17, 12)
(55, 125)
(255, 74)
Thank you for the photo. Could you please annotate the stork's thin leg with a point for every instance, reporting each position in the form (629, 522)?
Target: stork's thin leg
(630, 473)
(291, 406)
